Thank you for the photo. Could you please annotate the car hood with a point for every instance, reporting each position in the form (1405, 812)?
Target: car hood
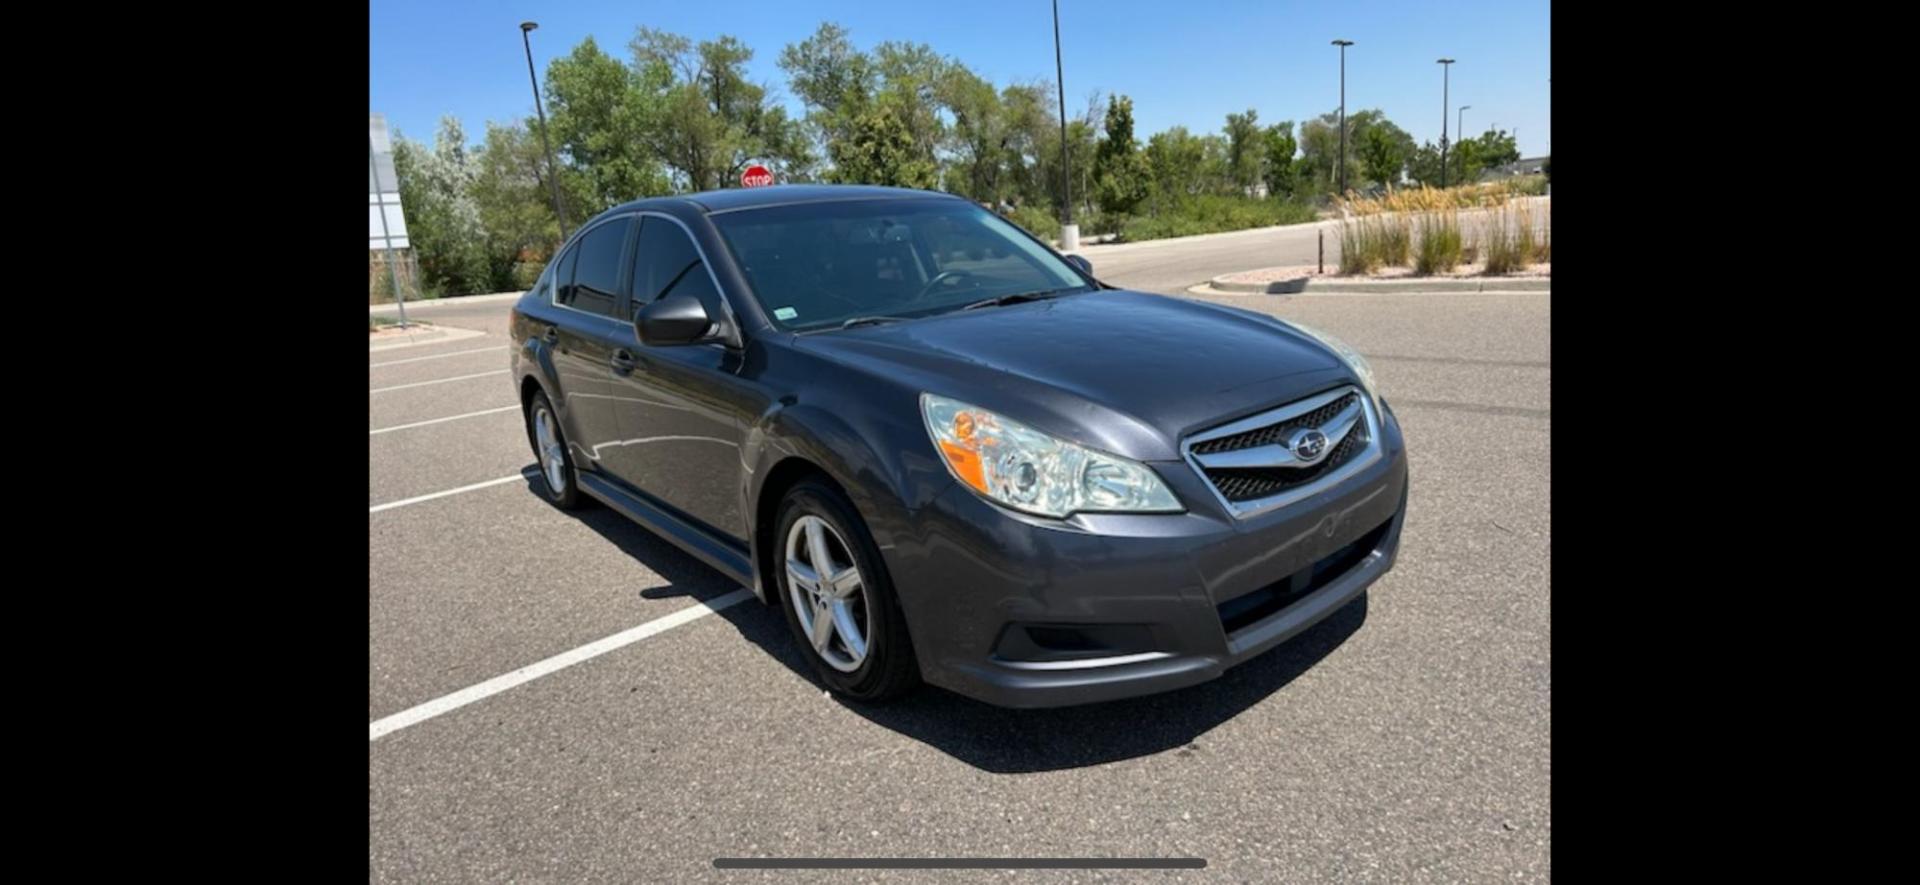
(1120, 371)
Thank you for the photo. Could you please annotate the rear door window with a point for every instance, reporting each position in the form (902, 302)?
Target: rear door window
(596, 278)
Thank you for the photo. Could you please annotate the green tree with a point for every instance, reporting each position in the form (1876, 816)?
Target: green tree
(1464, 162)
(1497, 148)
(1031, 130)
(827, 73)
(978, 140)
(511, 194)
(1320, 147)
(878, 147)
(712, 122)
(600, 113)
(867, 109)
(1174, 160)
(1279, 146)
(1423, 165)
(1120, 171)
(443, 223)
(1380, 156)
(1216, 166)
(1243, 149)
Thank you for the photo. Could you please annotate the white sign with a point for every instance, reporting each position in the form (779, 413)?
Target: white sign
(383, 191)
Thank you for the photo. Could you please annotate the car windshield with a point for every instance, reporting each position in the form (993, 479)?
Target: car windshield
(823, 265)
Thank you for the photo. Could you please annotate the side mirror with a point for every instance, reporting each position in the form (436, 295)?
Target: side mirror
(1080, 261)
(676, 319)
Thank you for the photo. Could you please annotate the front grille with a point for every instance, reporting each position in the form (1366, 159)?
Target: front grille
(1241, 485)
(1274, 433)
(1248, 485)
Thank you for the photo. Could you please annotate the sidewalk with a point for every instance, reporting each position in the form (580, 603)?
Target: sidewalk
(496, 298)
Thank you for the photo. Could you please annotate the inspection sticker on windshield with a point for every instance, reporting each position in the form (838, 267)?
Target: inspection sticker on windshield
(785, 313)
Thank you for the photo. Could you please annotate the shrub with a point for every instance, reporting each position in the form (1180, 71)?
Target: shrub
(1523, 234)
(1501, 245)
(1040, 221)
(526, 273)
(1211, 213)
(1545, 250)
(1440, 245)
(1359, 246)
(1396, 241)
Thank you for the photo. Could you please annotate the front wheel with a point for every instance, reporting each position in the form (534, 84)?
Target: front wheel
(838, 599)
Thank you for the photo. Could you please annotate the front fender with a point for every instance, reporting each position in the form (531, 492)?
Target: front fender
(888, 467)
(873, 447)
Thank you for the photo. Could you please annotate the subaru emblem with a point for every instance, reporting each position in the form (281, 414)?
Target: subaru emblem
(1308, 445)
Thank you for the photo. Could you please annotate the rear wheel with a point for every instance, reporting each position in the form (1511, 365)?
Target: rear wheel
(838, 599)
(557, 476)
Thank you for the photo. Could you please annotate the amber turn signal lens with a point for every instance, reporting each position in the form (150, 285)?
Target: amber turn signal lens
(966, 465)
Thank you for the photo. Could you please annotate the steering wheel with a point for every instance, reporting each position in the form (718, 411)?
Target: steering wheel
(939, 279)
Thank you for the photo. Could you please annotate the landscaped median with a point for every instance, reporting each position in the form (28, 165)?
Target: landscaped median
(1296, 280)
(1420, 241)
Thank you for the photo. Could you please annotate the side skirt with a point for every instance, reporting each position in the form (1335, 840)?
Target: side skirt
(724, 557)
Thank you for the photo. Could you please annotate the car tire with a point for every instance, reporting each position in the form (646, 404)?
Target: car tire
(873, 663)
(560, 483)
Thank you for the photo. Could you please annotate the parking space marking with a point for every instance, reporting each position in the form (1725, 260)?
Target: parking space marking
(524, 474)
(437, 356)
(441, 381)
(447, 703)
(443, 420)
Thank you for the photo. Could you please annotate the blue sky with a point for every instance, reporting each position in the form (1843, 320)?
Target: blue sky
(1183, 63)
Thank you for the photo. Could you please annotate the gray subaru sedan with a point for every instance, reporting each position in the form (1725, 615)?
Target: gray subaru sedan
(947, 452)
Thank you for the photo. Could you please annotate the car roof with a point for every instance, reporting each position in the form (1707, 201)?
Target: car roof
(783, 195)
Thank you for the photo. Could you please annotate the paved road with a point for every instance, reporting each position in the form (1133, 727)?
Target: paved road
(1408, 737)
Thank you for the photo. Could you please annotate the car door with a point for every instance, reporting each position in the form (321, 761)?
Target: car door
(590, 280)
(681, 410)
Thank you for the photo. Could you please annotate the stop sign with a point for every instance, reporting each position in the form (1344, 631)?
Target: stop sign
(756, 176)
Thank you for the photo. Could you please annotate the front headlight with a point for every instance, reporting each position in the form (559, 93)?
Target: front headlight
(1352, 357)
(1025, 469)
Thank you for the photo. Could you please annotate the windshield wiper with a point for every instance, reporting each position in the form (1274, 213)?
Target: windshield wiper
(1016, 298)
(870, 321)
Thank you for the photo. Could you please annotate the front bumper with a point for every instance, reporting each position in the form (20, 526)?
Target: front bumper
(1027, 612)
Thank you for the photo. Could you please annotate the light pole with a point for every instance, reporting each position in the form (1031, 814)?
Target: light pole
(553, 170)
(1069, 232)
(1343, 44)
(1446, 67)
(1460, 120)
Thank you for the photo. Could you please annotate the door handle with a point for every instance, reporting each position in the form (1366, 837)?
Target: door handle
(623, 362)
(552, 336)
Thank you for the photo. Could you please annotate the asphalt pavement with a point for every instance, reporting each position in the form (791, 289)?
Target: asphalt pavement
(1406, 738)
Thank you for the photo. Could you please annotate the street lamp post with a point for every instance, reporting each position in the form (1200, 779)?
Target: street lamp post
(553, 169)
(1460, 120)
(1343, 44)
(1069, 232)
(1446, 67)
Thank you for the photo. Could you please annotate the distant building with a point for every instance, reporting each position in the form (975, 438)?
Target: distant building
(1524, 167)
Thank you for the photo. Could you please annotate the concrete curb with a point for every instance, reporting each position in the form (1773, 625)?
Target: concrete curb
(1270, 287)
(446, 302)
(434, 335)
(1429, 284)
(1310, 286)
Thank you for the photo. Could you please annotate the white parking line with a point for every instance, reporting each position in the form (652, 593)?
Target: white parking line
(441, 381)
(437, 356)
(524, 474)
(441, 420)
(498, 684)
